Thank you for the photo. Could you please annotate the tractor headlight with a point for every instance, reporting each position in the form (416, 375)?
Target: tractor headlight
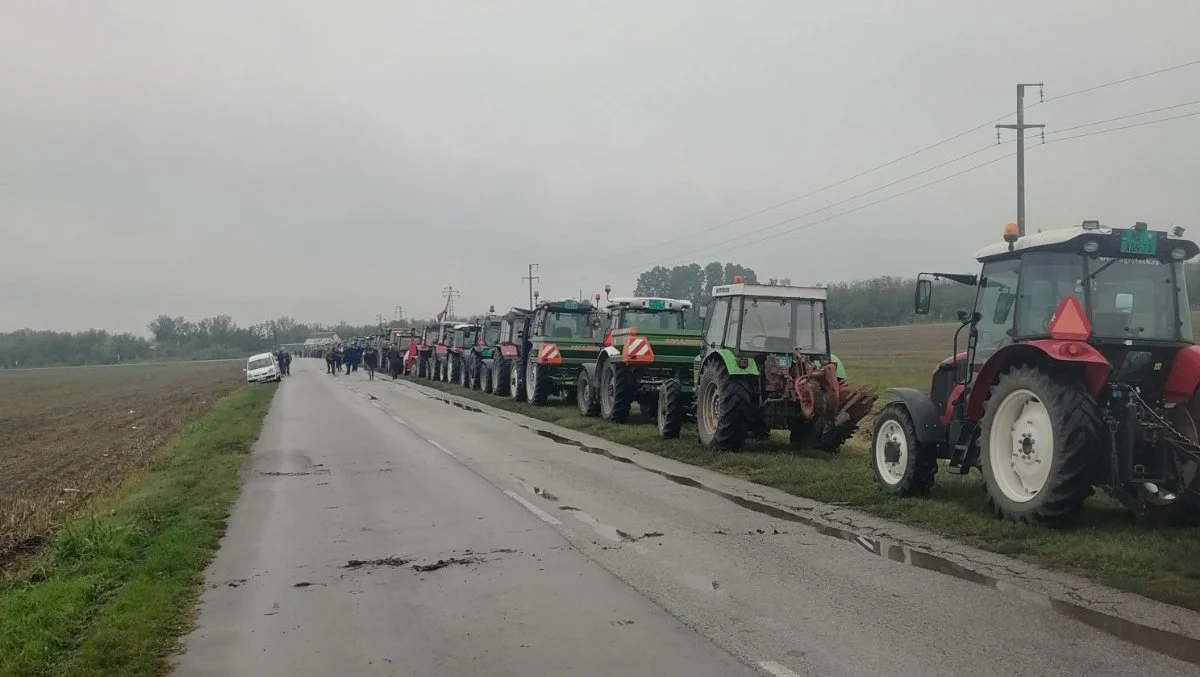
(1091, 246)
(1179, 253)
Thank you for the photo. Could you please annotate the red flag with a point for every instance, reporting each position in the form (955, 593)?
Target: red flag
(444, 309)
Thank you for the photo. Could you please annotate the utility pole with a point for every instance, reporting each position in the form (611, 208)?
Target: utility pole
(379, 316)
(450, 293)
(400, 313)
(1021, 127)
(531, 277)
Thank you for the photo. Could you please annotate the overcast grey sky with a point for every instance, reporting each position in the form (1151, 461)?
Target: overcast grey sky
(194, 158)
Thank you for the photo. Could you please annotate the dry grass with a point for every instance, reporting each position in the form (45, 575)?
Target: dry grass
(66, 434)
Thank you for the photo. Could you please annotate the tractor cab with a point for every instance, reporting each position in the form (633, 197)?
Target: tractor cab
(464, 336)
(768, 322)
(647, 314)
(1080, 340)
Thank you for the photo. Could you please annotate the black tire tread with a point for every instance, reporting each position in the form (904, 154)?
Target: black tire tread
(1076, 420)
(670, 409)
(624, 388)
(924, 466)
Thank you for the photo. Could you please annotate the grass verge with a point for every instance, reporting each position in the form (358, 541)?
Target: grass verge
(1160, 562)
(115, 588)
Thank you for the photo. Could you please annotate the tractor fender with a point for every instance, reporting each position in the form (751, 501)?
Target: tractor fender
(731, 365)
(486, 362)
(590, 368)
(841, 369)
(1184, 377)
(1095, 367)
(609, 353)
(925, 417)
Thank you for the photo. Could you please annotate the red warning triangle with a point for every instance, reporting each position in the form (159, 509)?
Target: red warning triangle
(1069, 322)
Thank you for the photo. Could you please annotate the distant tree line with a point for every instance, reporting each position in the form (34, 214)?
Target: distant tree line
(216, 337)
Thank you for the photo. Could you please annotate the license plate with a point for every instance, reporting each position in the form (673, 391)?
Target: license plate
(1139, 242)
(657, 304)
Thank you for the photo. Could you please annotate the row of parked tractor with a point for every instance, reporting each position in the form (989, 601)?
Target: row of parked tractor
(760, 362)
(1075, 369)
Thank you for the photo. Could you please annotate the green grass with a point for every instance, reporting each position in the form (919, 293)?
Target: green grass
(1105, 545)
(116, 588)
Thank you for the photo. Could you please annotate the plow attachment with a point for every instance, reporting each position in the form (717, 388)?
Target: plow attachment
(829, 409)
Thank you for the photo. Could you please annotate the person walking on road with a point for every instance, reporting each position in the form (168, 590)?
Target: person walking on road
(394, 363)
(371, 361)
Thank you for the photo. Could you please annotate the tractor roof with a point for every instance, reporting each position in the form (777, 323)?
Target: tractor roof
(568, 304)
(774, 291)
(647, 302)
(1064, 238)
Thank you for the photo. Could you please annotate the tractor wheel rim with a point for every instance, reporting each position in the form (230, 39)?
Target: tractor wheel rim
(891, 434)
(1021, 445)
(606, 395)
(711, 400)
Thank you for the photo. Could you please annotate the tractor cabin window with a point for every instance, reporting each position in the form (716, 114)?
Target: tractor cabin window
(651, 320)
(567, 325)
(994, 302)
(714, 327)
(783, 325)
(1135, 299)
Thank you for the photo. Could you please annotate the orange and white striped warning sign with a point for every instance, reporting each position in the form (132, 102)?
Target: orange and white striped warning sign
(548, 354)
(637, 349)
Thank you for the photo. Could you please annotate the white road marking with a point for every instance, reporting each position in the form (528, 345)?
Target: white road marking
(376, 405)
(537, 512)
(444, 449)
(773, 668)
(399, 420)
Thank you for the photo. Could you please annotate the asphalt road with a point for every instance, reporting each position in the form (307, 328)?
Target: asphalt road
(554, 561)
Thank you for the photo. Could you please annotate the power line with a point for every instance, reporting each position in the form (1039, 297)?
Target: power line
(804, 226)
(916, 152)
(1119, 82)
(1117, 129)
(849, 199)
(972, 168)
(1124, 117)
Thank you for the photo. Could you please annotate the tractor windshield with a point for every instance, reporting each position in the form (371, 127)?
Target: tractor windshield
(566, 324)
(491, 334)
(1125, 298)
(783, 325)
(650, 320)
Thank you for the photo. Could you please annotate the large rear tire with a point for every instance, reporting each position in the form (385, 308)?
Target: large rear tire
(1038, 446)
(422, 367)
(899, 463)
(500, 377)
(617, 389)
(670, 409)
(435, 374)
(537, 384)
(517, 381)
(485, 378)
(725, 407)
(585, 395)
(453, 370)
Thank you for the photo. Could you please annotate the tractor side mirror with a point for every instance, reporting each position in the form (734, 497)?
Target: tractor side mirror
(702, 311)
(923, 297)
(1004, 304)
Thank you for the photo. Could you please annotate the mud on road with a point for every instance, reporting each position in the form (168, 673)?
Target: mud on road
(66, 434)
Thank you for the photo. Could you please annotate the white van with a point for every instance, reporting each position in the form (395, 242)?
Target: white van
(261, 368)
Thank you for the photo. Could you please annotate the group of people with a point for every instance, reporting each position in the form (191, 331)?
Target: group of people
(341, 359)
(284, 358)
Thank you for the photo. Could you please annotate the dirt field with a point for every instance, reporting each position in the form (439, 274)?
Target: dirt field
(67, 433)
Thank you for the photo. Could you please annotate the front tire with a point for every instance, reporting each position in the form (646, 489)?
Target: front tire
(485, 379)
(725, 408)
(670, 409)
(1037, 444)
(617, 389)
(900, 464)
(585, 397)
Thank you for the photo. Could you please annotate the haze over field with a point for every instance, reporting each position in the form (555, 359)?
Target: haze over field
(230, 157)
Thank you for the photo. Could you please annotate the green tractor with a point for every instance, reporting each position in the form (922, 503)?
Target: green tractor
(458, 346)
(648, 348)
(478, 360)
(562, 337)
(765, 364)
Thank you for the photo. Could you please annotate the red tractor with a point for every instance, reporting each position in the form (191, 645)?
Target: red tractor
(1076, 368)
